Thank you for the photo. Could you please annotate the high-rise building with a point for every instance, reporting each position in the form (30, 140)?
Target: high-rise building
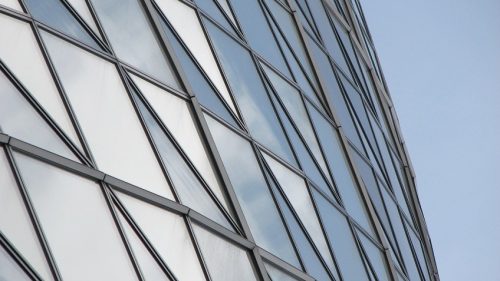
(201, 140)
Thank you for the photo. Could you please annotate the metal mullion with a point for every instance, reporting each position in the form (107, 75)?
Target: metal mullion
(227, 16)
(14, 13)
(368, 263)
(307, 9)
(283, 266)
(119, 228)
(197, 248)
(33, 216)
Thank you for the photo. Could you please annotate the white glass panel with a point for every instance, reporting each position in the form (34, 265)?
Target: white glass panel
(187, 25)
(107, 117)
(225, 261)
(296, 190)
(77, 223)
(149, 267)
(176, 116)
(20, 52)
(14, 4)
(15, 222)
(19, 119)
(168, 234)
(9, 269)
(82, 9)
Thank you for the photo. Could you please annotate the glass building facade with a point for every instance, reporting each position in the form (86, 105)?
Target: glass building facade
(201, 140)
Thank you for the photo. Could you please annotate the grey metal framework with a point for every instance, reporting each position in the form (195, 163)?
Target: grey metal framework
(201, 140)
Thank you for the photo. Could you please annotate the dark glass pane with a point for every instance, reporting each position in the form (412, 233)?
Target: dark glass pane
(54, 14)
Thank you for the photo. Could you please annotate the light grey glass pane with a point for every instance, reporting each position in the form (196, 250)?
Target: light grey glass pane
(250, 93)
(9, 269)
(277, 275)
(258, 33)
(252, 192)
(80, 6)
(335, 155)
(60, 199)
(133, 40)
(21, 53)
(54, 14)
(13, 4)
(225, 261)
(20, 120)
(342, 240)
(214, 12)
(150, 269)
(189, 188)
(15, 222)
(376, 258)
(297, 193)
(168, 234)
(106, 116)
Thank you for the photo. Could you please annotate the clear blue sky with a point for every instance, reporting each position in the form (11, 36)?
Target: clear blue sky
(441, 59)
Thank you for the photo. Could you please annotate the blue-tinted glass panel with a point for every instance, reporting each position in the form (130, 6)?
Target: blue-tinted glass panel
(215, 13)
(376, 258)
(54, 14)
(250, 93)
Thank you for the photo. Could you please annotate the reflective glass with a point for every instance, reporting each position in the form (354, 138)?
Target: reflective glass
(15, 222)
(9, 269)
(56, 15)
(376, 258)
(82, 9)
(203, 90)
(258, 33)
(106, 114)
(297, 193)
(21, 54)
(13, 4)
(250, 93)
(187, 25)
(277, 275)
(225, 261)
(14, 113)
(252, 191)
(225, 6)
(189, 189)
(178, 118)
(60, 199)
(417, 247)
(168, 234)
(342, 240)
(136, 44)
(215, 13)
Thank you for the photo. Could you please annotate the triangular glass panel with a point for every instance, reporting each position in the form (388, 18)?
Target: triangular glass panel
(60, 200)
(15, 222)
(191, 191)
(133, 39)
(217, 251)
(168, 234)
(13, 4)
(149, 267)
(20, 120)
(225, 7)
(175, 114)
(203, 90)
(56, 15)
(297, 193)
(277, 275)
(376, 258)
(312, 263)
(184, 21)
(306, 18)
(21, 53)
(9, 269)
(83, 11)
(215, 13)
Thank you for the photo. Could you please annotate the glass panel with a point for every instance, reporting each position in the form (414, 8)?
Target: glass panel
(277, 275)
(187, 25)
(136, 44)
(297, 193)
(417, 248)
(342, 240)
(15, 222)
(225, 6)
(214, 12)
(106, 115)
(312, 263)
(168, 234)
(148, 265)
(225, 261)
(376, 258)
(177, 117)
(258, 33)
(13, 4)
(14, 113)
(340, 169)
(9, 270)
(82, 9)
(60, 199)
(201, 87)
(54, 14)
(252, 192)
(250, 93)
(189, 189)
(21, 54)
